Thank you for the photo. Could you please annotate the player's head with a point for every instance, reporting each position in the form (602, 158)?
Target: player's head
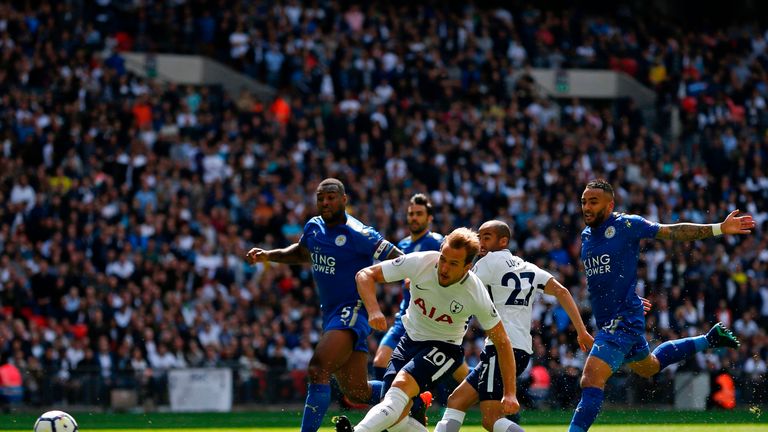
(597, 202)
(456, 255)
(494, 236)
(419, 214)
(331, 200)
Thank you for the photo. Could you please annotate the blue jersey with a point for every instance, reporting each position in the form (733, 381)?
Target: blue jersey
(428, 242)
(610, 254)
(337, 254)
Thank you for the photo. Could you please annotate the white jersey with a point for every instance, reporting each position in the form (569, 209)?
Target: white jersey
(436, 312)
(512, 283)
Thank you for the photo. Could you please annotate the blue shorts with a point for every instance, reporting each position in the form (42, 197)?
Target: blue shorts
(392, 338)
(350, 317)
(485, 378)
(427, 362)
(621, 342)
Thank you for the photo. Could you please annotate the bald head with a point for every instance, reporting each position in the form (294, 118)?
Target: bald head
(501, 229)
(494, 236)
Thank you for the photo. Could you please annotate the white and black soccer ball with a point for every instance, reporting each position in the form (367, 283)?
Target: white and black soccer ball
(55, 421)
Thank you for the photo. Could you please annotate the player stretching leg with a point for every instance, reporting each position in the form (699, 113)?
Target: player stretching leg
(444, 294)
(419, 218)
(512, 283)
(610, 251)
(330, 240)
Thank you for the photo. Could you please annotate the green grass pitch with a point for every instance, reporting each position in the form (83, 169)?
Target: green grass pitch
(745, 420)
(597, 428)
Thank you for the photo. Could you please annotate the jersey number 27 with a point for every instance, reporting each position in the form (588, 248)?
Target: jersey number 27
(512, 300)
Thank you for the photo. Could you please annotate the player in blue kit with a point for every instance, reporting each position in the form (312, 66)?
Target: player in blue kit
(610, 251)
(338, 246)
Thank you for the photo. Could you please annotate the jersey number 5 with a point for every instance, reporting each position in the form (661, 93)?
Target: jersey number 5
(512, 276)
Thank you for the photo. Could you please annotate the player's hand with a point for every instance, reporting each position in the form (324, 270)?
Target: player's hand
(646, 305)
(509, 404)
(377, 321)
(256, 255)
(734, 224)
(585, 341)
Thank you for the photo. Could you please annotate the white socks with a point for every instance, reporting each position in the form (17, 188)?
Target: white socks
(386, 413)
(451, 421)
(505, 425)
(407, 425)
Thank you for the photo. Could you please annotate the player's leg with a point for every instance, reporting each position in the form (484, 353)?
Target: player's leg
(595, 375)
(680, 349)
(420, 365)
(483, 384)
(493, 418)
(353, 380)
(522, 359)
(393, 407)
(607, 354)
(424, 401)
(332, 351)
(381, 360)
(386, 347)
(462, 398)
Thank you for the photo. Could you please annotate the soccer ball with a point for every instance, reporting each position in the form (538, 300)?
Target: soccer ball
(55, 421)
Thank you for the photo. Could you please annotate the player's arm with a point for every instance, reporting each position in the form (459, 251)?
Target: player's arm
(732, 224)
(366, 280)
(499, 337)
(394, 253)
(293, 254)
(555, 288)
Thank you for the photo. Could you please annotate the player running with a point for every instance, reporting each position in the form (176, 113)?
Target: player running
(610, 249)
(513, 284)
(338, 246)
(444, 295)
(419, 217)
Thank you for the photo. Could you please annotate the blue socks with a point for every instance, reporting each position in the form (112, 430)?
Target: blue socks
(318, 400)
(376, 387)
(677, 350)
(586, 412)
(378, 373)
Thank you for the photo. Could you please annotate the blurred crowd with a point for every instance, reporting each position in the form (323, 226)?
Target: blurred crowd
(127, 203)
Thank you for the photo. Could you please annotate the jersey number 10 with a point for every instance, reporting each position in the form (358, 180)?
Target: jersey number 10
(512, 300)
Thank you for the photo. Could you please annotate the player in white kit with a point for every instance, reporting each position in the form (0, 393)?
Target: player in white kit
(512, 283)
(444, 295)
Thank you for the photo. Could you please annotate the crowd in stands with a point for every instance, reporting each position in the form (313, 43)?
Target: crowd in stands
(127, 204)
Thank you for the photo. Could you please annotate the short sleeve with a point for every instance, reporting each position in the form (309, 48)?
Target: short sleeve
(404, 266)
(642, 228)
(482, 269)
(485, 311)
(307, 231)
(541, 277)
(371, 243)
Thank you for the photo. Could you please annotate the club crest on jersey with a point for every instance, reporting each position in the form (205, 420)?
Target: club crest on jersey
(610, 232)
(341, 240)
(456, 307)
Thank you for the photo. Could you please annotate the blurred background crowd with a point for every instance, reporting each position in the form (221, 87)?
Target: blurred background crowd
(127, 204)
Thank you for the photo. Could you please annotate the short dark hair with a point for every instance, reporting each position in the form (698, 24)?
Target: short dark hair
(331, 185)
(421, 199)
(601, 184)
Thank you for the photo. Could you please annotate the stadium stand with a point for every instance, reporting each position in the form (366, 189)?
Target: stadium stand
(128, 203)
